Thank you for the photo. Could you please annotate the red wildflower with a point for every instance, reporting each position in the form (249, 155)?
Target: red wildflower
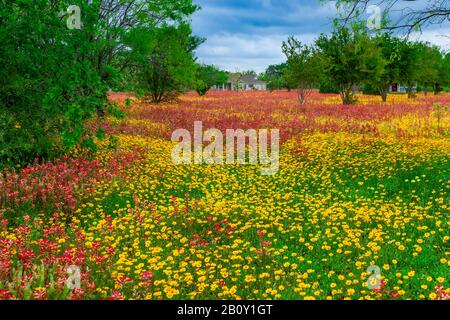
(26, 255)
(147, 276)
(39, 295)
(116, 295)
(4, 294)
(124, 280)
(77, 294)
(266, 243)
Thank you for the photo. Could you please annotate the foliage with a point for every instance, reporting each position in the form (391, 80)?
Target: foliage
(164, 65)
(326, 87)
(442, 65)
(444, 73)
(410, 65)
(390, 47)
(208, 76)
(49, 87)
(303, 67)
(429, 63)
(248, 73)
(54, 78)
(371, 90)
(275, 77)
(350, 58)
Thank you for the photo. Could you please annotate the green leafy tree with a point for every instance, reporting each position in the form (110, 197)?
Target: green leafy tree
(440, 63)
(390, 50)
(303, 67)
(208, 76)
(55, 78)
(275, 77)
(444, 72)
(327, 87)
(350, 58)
(248, 73)
(164, 64)
(49, 86)
(430, 62)
(410, 65)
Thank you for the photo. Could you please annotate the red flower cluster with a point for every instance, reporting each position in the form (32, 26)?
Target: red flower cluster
(441, 293)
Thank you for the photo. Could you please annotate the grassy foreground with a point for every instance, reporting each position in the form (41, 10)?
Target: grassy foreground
(359, 186)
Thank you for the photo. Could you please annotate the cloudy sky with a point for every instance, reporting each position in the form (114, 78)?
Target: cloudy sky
(247, 34)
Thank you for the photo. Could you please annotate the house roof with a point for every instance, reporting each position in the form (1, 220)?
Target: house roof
(250, 79)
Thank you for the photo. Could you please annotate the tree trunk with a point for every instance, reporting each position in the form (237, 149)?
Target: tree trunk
(437, 88)
(346, 96)
(100, 112)
(383, 92)
(301, 97)
(410, 92)
(101, 109)
(384, 96)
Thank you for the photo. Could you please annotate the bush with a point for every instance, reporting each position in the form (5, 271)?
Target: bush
(370, 90)
(326, 87)
(51, 81)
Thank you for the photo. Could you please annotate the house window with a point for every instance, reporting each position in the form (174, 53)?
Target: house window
(395, 88)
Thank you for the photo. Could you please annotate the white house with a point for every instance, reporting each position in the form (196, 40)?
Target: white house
(238, 82)
(397, 88)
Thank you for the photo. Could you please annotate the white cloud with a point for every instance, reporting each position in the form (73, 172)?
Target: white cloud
(247, 34)
(439, 37)
(242, 52)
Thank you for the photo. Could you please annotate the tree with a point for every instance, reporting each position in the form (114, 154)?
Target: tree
(208, 76)
(303, 67)
(248, 73)
(442, 65)
(327, 87)
(390, 51)
(350, 58)
(109, 23)
(54, 78)
(444, 72)
(430, 59)
(275, 77)
(114, 19)
(48, 84)
(164, 61)
(410, 65)
(235, 79)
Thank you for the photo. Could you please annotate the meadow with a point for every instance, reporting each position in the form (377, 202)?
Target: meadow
(360, 188)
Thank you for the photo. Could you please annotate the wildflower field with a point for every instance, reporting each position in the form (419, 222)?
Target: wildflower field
(362, 196)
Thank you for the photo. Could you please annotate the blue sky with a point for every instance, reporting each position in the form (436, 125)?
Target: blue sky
(247, 34)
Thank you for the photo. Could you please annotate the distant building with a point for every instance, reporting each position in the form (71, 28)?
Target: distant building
(397, 88)
(249, 82)
(238, 82)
